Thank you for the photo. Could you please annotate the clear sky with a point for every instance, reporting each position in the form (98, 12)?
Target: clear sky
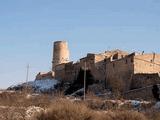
(29, 27)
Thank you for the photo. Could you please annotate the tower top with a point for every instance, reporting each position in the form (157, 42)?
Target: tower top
(60, 53)
(60, 41)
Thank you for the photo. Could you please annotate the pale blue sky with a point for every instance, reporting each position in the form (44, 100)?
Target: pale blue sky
(28, 28)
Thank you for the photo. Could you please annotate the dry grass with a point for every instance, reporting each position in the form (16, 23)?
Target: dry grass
(58, 108)
(127, 115)
(13, 105)
(24, 99)
(67, 110)
(153, 115)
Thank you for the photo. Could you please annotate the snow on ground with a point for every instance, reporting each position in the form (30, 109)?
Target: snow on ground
(43, 85)
(77, 92)
(157, 105)
(32, 110)
(37, 85)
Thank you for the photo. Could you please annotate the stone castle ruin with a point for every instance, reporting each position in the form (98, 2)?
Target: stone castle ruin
(117, 70)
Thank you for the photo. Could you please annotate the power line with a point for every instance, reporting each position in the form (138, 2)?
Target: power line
(27, 75)
(85, 80)
(148, 61)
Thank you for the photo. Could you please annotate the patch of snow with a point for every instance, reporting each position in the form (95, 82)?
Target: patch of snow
(44, 85)
(146, 102)
(37, 85)
(78, 91)
(157, 105)
(135, 103)
(7, 91)
(29, 96)
(32, 110)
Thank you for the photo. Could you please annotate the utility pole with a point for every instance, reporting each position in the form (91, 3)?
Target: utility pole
(84, 80)
(27, 73)
(105, 73)
(27, 76)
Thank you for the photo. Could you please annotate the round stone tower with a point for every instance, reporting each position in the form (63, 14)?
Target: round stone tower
(60, 53)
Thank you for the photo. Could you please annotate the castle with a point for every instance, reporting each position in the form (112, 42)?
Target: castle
(115, 69)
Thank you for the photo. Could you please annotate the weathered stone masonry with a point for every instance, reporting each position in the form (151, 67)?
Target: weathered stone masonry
(116, 69)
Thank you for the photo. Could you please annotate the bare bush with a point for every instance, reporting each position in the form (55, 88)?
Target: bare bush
(66, 110)
(128, 115)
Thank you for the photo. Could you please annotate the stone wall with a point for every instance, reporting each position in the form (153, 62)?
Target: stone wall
(147, 63)
(122, 71)
(94, 62)
(143, 93)
(119, 73)
(71, 71)
(60, 72)
(44, 76)
(67, 72)
(142, 80)
(98, 69)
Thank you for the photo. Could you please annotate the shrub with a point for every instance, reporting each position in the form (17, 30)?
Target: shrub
(66, 110)
(153, 115)
(127, 115)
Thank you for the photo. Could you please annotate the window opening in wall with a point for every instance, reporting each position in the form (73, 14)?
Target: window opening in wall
(115, 56)
(131, 60)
